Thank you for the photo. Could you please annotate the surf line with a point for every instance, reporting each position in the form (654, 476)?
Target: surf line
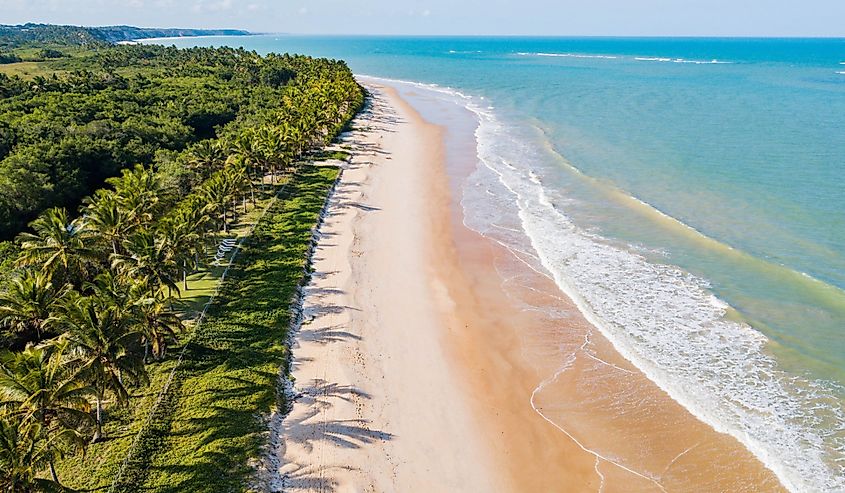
(566, 366)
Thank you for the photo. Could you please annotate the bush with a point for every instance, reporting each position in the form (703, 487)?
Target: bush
(6, 58)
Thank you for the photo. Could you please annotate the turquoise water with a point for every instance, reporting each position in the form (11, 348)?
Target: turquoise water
(691, 168)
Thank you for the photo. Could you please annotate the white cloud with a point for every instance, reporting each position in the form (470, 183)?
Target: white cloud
(303, 10)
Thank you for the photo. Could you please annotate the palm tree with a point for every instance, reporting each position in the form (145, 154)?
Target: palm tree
(40, 384)
(207, 157)
(217, 190)
(238, 182)
(246, 151)
(106, 342)
(158, 324)
(27, 305)
(149, 257)
(57, 245)
(108, 219)
(137, 190)
(272, 148)
(185, 230)
(24, 452)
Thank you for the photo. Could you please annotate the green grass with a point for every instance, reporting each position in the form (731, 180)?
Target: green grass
(203, 283)
(207, 424)
(329, 155)
(28, 70)
(229, 377)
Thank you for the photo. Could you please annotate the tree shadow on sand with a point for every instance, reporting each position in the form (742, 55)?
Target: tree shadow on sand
(311, 431)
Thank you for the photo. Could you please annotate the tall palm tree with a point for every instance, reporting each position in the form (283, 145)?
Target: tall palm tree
(185, 231)
(217, 190)
(149, 257)
(57, 245)
(41, 384)
(25, 450)
(158, 324)
(272, 148)
(108, 219)
(106, 342)
(138, 189)
(207, 157)
(27, 305)
(246, 151)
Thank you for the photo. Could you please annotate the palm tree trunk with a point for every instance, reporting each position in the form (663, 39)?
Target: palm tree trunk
(98, 433)
(53, 472)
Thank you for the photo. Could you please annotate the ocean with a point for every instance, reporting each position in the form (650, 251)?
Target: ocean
(687, 193)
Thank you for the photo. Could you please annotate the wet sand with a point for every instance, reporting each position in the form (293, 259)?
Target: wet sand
(432, 359)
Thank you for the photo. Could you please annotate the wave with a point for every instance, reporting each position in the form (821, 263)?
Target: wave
(661, 318)
(681, 60)
(570, 55)
(668, 323)
(639, 58)
(841, 73)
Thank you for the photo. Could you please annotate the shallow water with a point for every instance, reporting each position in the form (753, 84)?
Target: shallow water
(686, 193)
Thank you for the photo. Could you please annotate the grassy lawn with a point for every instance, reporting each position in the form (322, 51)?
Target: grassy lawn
(28, 70)
(208, 425)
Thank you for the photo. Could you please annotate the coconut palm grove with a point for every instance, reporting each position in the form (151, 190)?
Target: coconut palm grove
(157, 206)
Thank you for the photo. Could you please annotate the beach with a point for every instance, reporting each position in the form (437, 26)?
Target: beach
(417, 366)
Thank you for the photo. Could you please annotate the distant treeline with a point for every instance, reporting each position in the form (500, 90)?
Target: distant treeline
(26, 34)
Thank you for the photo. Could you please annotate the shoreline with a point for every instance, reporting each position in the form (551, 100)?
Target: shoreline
(372, 408)
(500, 395)
(708, 445)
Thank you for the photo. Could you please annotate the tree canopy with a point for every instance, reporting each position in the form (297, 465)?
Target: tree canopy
(116, 178)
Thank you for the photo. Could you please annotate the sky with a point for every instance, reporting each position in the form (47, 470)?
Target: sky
(439, 17)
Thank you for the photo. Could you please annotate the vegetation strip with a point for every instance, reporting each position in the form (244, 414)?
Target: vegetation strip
(196, 328)
(230, 374)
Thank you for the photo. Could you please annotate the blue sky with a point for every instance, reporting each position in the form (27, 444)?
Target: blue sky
(507, 17)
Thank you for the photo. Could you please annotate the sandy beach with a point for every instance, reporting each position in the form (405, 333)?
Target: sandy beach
(417, 368)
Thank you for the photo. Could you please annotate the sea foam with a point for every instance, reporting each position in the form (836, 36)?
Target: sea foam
(637, 58)
(570, 55)
(681, 60)
(664, 320)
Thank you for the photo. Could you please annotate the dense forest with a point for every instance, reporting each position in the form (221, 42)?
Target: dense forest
(122, 168)
(62, 135)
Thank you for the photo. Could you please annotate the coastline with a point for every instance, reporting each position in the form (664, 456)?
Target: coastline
(376, 400)
(366, 394)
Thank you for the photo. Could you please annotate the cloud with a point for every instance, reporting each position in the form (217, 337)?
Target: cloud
(303, 10)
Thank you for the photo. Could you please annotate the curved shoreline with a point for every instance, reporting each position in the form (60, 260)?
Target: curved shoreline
(745, 471)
